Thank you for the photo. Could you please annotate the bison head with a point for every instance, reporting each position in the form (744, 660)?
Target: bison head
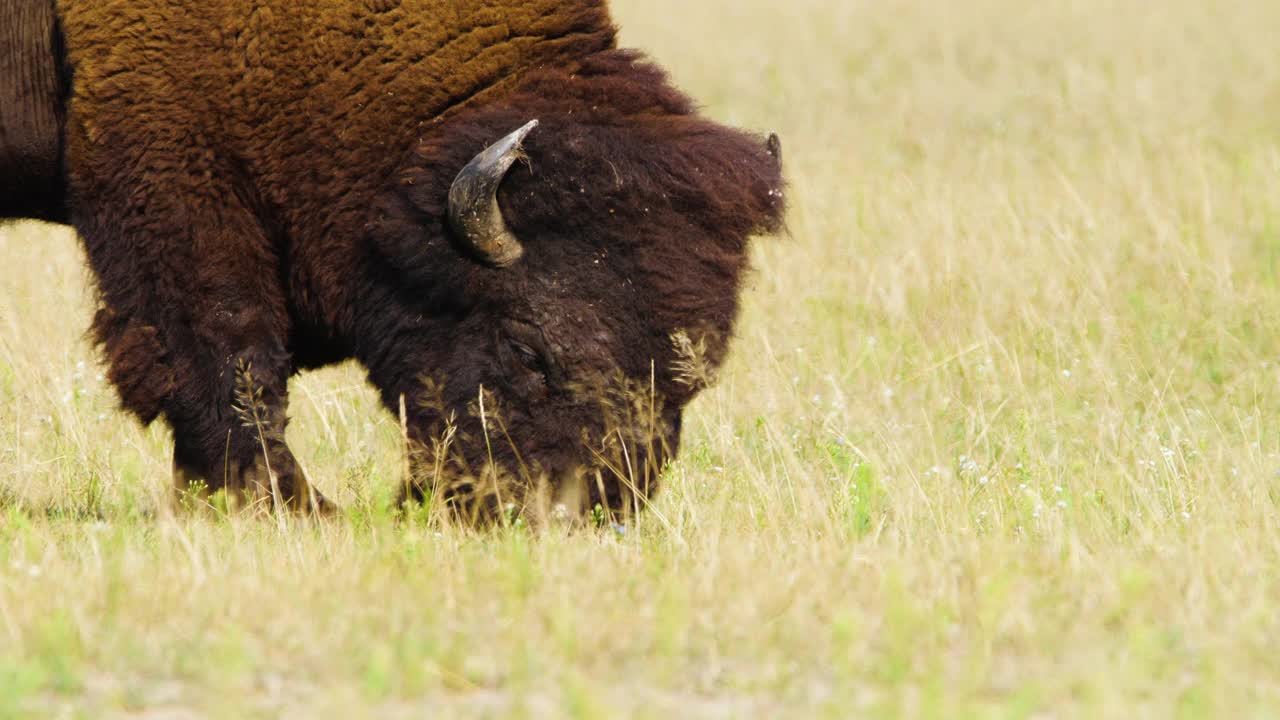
(558, 275)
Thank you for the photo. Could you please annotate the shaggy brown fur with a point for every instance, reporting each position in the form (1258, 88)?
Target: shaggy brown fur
(264, 186)
(32, 94)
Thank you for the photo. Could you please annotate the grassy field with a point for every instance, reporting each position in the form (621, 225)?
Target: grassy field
(1000, 436)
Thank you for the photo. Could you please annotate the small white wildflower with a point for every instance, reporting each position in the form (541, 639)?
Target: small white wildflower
(1186, 515)
(984, 480)
(1167, 452)
(1058, 489)
(35, 571)
(887, 392)
(1066, 373)
(1062, 503)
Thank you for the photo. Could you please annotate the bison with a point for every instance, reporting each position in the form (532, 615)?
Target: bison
(528, 237)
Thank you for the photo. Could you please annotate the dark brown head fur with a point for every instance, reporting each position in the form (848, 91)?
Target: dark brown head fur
(634, 213)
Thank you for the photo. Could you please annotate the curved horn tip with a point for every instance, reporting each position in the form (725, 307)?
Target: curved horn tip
(506, 150)
(526, 129)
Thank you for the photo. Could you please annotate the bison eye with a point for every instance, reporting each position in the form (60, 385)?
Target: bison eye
(527, 356)
(525, 351)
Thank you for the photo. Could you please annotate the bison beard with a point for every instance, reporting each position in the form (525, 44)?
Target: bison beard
(266, 187)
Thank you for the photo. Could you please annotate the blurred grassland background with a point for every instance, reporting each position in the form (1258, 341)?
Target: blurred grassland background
(1000, 435)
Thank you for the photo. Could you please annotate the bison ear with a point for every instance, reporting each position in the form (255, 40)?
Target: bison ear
(473, 202)
(774, 146)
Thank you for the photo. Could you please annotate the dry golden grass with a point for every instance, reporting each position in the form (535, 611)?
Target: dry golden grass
(1000, 436)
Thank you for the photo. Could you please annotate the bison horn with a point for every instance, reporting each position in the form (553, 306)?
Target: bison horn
(473, 201)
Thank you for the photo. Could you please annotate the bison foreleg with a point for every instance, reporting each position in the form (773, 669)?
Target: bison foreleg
(235, 440)
(194, 328)
(195, 322)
